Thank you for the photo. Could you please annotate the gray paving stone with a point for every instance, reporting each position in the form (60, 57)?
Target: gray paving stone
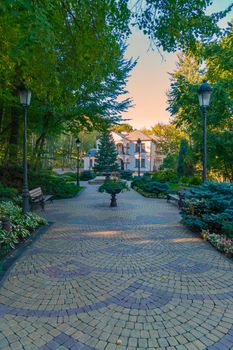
(131, 273)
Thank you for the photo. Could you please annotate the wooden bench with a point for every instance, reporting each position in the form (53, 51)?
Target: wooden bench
(178, 198)
(37, 197)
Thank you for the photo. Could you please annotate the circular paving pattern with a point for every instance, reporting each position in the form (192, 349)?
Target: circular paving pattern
(114, 287)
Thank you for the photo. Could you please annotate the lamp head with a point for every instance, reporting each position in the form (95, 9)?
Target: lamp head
(204, 93)
(78, 143)
(25, 96)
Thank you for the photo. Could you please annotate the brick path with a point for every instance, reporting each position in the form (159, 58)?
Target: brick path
(121, 278)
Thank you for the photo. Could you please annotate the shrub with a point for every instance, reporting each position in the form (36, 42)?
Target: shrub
(7, 193)
(113, 186)
(21, 225)
(49, 182)
(209, 207)
(126, 174)
(165, 176)
(87, 175)
(156, 187)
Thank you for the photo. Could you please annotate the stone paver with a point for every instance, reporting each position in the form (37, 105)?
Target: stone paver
(121, 278)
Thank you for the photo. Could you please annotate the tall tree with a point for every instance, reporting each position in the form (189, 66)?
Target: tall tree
(174, 25)
(184, 166)
(106, 158)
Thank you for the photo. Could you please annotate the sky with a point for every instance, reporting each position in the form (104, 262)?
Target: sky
(149, 80)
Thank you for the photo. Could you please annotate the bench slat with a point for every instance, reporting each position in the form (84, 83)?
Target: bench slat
(37, 197)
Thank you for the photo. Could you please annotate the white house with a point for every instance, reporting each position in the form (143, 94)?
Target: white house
(150, 157)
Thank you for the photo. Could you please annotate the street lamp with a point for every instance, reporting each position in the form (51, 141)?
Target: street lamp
(139, 154)
(204, 93)
(25, 98)
(78, 144)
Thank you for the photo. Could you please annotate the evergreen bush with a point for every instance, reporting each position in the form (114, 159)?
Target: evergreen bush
(159, 188)
(209, 207)
(87, 175)
(126, 174)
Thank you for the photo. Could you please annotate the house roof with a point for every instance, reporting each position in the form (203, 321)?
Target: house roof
(91, 153)
(134, 135)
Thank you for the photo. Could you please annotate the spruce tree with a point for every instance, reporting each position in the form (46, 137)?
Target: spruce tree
(106, 158)
(183, 167)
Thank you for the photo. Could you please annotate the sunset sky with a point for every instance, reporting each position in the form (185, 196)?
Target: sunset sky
(149, 80)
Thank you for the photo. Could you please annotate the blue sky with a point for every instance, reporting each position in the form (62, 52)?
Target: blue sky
(149, 81)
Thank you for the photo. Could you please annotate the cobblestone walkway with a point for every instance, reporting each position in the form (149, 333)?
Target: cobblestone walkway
(121, 278)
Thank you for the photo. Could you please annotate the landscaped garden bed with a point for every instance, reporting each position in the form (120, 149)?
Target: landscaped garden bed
(19, 226)
(208, 209)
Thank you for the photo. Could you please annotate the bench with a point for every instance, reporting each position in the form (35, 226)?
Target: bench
(37, 197)
(178, 198)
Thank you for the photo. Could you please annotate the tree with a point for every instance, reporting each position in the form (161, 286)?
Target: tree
(174, 25)
(106, 158)
(185, 109)
(124, 127)
(184, 168)
(70, 54)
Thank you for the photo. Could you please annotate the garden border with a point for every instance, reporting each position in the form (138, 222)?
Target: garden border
(9, 261)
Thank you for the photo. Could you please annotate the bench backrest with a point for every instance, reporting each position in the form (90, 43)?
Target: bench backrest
(36, 192)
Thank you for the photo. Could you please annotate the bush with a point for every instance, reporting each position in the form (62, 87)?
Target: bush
(50, 182)
(165, 176)
(87, 175)
(113, 186)
(209, 207)
(126, 175)
(7, 193)
(156, 187)
(21, 225)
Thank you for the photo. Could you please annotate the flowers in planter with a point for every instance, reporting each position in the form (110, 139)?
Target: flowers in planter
(222, 243)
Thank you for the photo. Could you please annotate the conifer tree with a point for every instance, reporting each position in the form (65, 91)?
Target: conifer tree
(184, 167)
(106, 158)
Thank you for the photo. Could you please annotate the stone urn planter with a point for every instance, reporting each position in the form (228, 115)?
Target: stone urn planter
(113, 187)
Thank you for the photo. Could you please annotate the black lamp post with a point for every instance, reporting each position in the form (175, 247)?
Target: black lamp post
(139, 154)
(25, 98)
(78, 144)
(204, 93)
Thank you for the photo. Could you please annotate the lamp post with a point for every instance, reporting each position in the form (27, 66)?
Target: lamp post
(78, 144)
(139, 154)
(204, 93)
(25, 98)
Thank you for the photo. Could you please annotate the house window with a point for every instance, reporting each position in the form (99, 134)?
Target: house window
(136, 163)
(143, 148)
(91, 163)
(143, 163)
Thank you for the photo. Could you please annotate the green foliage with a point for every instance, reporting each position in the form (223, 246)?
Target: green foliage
(71, 55)
(177, 25)
(126, 174)
(123, 127)
(21, 225)
(184, 166)
(87, 175)
(113, 186)
(210, 207)
(165, 176)
(185, 109)
(106, 157)
(50, 183)
(158, 188)
(146, 184)
(53, 184)
(7, 193)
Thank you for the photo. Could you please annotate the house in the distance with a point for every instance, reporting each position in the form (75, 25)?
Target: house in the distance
(150, 156)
